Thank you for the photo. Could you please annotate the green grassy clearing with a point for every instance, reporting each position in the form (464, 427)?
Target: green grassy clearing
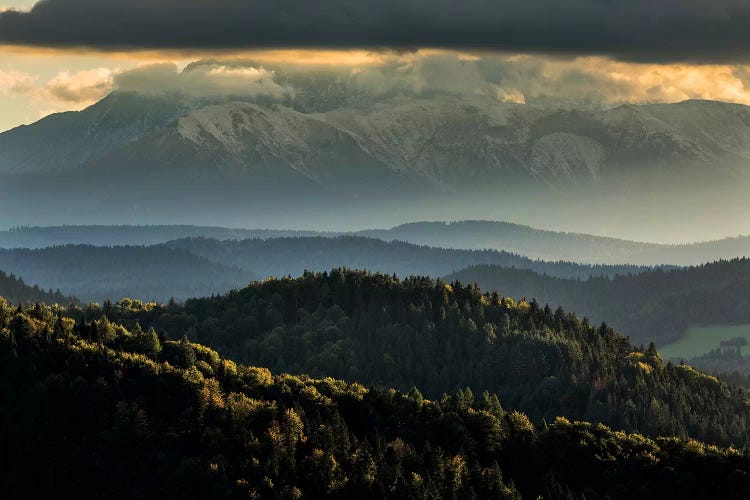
(701, 339)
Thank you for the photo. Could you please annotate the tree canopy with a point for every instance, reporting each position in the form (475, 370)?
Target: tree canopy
(91, 409)
(441, 337)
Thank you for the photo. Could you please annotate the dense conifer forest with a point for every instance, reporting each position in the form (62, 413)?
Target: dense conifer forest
(732, 364)
(90, 409)
(656, 305)
(16, 291)
(440, 337)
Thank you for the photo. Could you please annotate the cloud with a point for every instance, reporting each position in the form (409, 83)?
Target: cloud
(637, 30)
(418, 73)
(66, 91)
(601, 81)
(83, 87)
(16, 82)
(74, 90)
(743, 74)
(591, 82)
(210, 79)
(583, 82)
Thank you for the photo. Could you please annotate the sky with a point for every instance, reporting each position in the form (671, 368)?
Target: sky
(67, 54)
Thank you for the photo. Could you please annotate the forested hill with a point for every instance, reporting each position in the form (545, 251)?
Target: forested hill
(99, 273)
(16, 291)
(197, 267)
(652, 306)
(146, 417)
(378, 329)
(292, 256)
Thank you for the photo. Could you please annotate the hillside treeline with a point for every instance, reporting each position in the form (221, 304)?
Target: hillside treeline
(90, 409)
(656, 305)
(440, 337)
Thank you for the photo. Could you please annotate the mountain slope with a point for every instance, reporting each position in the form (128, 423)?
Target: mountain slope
(444, 140)
(418, 332)
(248, 136)
(695, 128)
(379, 162)
(454, 142)
(146, 418)
(65, 141)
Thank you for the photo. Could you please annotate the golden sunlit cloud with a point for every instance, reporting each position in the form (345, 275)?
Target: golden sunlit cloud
(15, 82)
(592, 81)
(307, 57)
(622, 82)
(66, 91)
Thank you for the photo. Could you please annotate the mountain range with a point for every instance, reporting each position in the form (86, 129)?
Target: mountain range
(190, 267)
(559, 245)
(444, 141)
(151, 157)
(519, 239)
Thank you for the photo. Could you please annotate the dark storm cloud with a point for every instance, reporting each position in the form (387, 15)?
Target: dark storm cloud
(653, 30)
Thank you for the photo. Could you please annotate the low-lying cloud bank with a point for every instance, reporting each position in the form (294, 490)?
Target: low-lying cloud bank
(211, 79)
(74, 90)
(636, 30)
(584, 82)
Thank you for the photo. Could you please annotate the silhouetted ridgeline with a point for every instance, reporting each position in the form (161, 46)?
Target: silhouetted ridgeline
(98, 273)
(40, 237)
(557, 245)
(461, 235)
(199, 266)
(292, 256)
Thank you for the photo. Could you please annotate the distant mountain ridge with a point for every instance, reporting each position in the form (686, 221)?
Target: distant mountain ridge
(460, 235)
(99, 273)
(294, 255)
(443, 140)
(557, 245)
(120, 235)
(133, 158)
(65, 141)
(191, 267)
(145, 155)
